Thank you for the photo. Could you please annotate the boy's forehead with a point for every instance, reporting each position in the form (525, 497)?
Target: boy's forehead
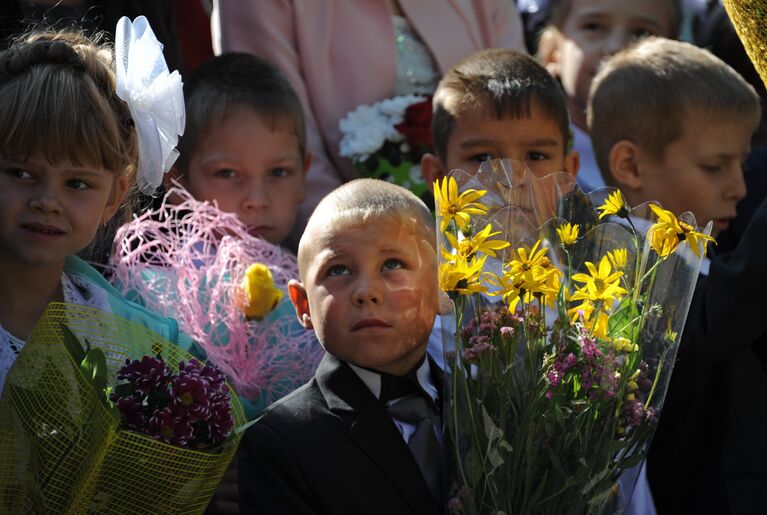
(481, 124)
(344, 231)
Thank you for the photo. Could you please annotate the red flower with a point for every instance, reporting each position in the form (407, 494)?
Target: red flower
(416, 127)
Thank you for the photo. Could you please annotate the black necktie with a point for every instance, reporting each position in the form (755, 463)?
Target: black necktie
(414, 409)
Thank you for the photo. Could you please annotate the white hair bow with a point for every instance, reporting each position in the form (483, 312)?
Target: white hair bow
(155, 98)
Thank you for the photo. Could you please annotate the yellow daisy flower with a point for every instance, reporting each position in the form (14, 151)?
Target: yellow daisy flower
(528, 276)
(479, 242)
(568, 233)
(666, 234)
(601, 284)
(527, 259)
(452, 206)
(614, 205)
(618, 258)
(462, 276)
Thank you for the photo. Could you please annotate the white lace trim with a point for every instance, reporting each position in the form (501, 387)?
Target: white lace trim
(76, 291)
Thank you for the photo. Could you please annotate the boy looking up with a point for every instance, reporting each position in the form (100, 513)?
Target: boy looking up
(342, 443)
(671, 122)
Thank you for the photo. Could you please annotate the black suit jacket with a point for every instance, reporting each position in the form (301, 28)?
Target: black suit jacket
(709, 454)
(330, 447)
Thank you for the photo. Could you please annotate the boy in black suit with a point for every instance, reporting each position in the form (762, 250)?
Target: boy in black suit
(673, 123)
(345, 442)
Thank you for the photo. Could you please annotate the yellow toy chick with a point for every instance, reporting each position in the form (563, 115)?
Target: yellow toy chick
(261, 294)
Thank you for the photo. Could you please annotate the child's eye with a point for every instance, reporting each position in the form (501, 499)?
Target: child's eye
(337, 270)
(18, 173)
(226, 173)
(712, 169)
(536, 156)
(279, 172)
(392, 264)
(481, 158)
(77, 184)
(643, 33)
(593, 26)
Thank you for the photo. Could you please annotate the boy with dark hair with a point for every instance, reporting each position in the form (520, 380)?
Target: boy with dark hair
(673, 123)
(499, 104)
(364, 435)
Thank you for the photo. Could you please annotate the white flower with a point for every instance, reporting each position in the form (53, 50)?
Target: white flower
(368, 127)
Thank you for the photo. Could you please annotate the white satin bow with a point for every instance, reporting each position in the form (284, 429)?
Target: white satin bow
(155, 98)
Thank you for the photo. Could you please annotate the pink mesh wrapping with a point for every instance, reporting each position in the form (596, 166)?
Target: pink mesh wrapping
(186, 261)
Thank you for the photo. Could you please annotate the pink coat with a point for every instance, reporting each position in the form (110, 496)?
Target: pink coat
(339, 54)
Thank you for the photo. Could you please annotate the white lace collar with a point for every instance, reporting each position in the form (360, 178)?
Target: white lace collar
(77, 290)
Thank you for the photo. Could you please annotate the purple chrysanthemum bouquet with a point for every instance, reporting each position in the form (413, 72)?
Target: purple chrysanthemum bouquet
(568, 310)
(190, 408)
(100, 414)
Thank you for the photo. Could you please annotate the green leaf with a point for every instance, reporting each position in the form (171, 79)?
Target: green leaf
(473, 466)
(72, 344)
(99, 361)
(122, 390)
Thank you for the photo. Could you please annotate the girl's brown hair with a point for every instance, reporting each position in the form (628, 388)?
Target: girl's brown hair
(58, 101)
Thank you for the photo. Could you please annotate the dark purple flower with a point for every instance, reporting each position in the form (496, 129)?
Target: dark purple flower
(220, 422)
(633, 412)
(589, 348)
(132, 414)
(189, 394)
(166, 427)
(146, 374)
(473, 353)
(215, 378)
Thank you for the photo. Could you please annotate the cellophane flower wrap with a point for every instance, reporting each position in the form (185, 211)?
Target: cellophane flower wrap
(197, 264)
(387, 139)
(568, 312)
(65, 448)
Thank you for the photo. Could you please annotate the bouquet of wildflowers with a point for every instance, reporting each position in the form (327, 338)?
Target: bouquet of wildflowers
(567, 325)
(386, 140)
(96, 417)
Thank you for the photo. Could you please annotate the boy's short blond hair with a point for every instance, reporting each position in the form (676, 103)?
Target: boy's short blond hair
(365, 201)
(501, 82)
(647, 92)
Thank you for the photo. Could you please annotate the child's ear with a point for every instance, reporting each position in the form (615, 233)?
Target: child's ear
(572, 163)
(300, 303)
(624, 164)
(116, 197)
(431, 169)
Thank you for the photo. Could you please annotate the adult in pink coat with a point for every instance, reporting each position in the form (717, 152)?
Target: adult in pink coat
(339, 54)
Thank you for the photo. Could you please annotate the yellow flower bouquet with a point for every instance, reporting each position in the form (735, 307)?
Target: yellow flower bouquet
(568, 311)
(73, 440)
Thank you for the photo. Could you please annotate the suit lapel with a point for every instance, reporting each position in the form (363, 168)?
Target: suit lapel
(372, 430)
